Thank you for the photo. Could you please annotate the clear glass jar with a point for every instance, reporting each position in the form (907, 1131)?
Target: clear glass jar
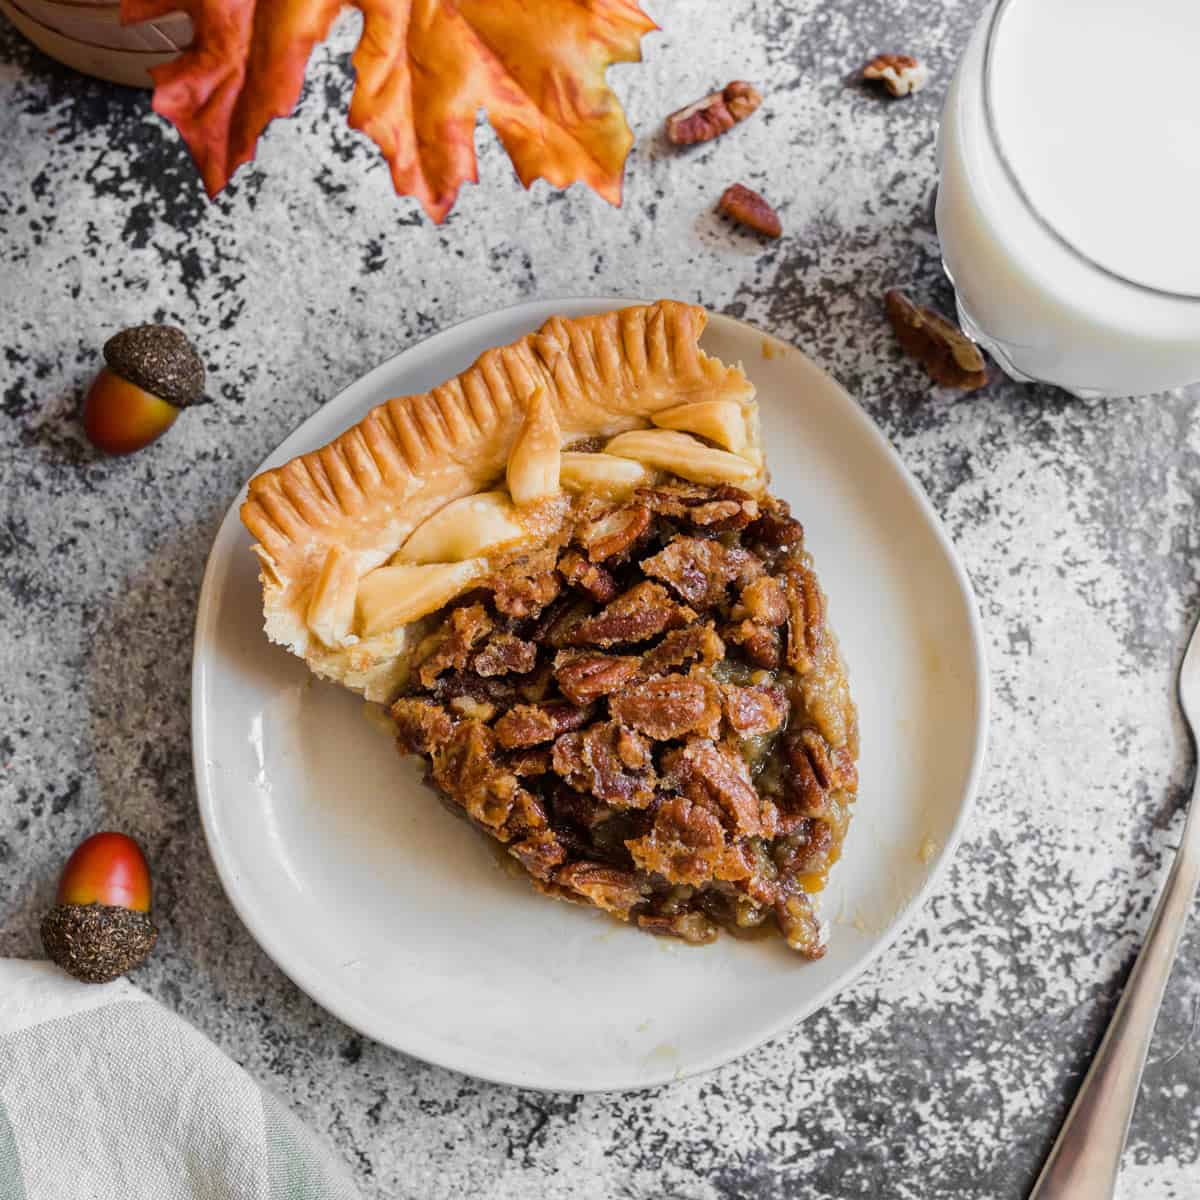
(1060, 271)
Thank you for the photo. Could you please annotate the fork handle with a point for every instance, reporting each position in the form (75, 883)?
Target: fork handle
(1087, 1156)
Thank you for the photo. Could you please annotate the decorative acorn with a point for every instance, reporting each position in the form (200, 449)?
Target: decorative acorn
(152, 374)
(101, 927)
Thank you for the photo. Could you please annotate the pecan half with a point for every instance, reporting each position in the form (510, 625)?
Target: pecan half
(806, 619)
(901, 74)
(696, 643)
(584, 677)
(669, 706)
(465, 769)
(517, 594)
(752, 711)
(608, 888)
(700, 570)
(462, 632)
(748, 208)
(717, 112)
(762, 600)
(644, 611)
(589, 577)
(687, 845)
(612, 534)
(610, 762)
(420, 724)
(708, 775)
(532, 724)
(946, 353)
(505, 654)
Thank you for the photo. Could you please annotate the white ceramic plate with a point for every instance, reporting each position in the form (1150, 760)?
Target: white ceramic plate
(398, 918)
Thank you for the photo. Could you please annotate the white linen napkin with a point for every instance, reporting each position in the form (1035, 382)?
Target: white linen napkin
(105, 1095)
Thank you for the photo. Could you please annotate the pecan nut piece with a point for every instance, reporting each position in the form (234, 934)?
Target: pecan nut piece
(946, 353)
(608, 888)
(669, 706)
(506, 654)
(531, 724)
(640, 613)
(748, 208)
(610, 762)
(901, 74)
(589, 577)
(717, 112)
(584, 677)
(707, 775)
(420, 724)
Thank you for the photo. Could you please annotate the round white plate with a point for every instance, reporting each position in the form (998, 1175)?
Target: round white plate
(399, 918)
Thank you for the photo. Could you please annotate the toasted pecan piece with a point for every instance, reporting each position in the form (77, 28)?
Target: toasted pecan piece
(613, 890)
(608, 761)
(763, 601)
(682, 647)
(505, 654)
(687, 845)
(421, 724)
(669, 706)
(584, 676)
(806, 618)
(707, 774)
(466, 769)
(715, 508)
(759, 643)
(540, 853)
(714, 114)
(462, 631)
(901, 74)
(700, 570)
(643, 612)
(747, 207)
(753, 711)
(588, 576)
(521, 595)
(532, 724)
(613, 533)
(946, 353)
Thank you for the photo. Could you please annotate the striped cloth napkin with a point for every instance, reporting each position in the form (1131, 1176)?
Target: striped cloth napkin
(105, 1095)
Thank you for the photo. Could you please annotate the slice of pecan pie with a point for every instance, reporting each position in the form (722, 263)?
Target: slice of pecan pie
(563, 574)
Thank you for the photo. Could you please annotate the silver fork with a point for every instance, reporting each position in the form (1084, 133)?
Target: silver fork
(1086, 1158)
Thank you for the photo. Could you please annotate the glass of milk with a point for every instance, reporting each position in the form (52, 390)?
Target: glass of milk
(1068, 207)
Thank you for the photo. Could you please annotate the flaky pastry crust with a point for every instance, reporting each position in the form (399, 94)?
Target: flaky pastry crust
(328, 519)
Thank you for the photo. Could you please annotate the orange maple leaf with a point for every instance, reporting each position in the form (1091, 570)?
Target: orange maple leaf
(425, 68)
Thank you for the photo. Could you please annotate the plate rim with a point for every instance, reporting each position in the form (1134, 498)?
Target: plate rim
(345, 1009)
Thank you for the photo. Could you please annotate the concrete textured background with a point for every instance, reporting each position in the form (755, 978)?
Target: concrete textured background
(945, 1070)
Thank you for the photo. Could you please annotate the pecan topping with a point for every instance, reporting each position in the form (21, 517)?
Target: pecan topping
(716, 509)
(806, 616)
(717, 112)
(762, 600)
(611, 535)
(696, 643)
(506, 654)
(609, 761)
(669, 706)
(465, 768)
(640, 613)
(532, 724)
(901, 74)
(707, 775)
(753, 711)
(420, 724)
(759, 643)
(587, 576)
(606, 887)
(813, 769)
(700, 570)
(539, 854)
(776, 529)
(946, 353)
(521, 595)
(687, 845)
(465, 629)
(532, 761)
(584, 676)
(799, 925)
(689, 926)
(748, 208)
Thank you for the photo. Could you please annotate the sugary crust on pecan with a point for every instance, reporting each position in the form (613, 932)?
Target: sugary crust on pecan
(584, 676)
(665, 707)
(532, 724)
(700, 570)
(589, 577)
(608, 761)
(754, 711)
(643, 612)
(709, 775)
(717, 112)
(505, 654)
(683, 647)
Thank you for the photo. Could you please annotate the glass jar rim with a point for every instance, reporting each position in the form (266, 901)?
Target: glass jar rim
(1010, 172)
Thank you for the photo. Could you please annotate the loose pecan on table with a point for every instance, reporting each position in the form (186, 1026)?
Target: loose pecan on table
(748, 208)
(946, 353)
(717, 112)
(901, 74)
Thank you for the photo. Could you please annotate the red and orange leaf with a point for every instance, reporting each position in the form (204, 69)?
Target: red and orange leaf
(425, 68)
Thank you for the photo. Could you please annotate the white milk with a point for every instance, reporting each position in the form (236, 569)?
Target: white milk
(1070, 224)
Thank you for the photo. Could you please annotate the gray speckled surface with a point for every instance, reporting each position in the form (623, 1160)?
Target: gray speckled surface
(944, 1070)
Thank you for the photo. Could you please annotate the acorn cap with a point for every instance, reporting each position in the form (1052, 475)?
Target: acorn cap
(97, 942)
(159, 359)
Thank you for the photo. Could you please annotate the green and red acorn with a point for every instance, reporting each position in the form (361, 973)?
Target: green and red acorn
(100, 926)
(151, 375)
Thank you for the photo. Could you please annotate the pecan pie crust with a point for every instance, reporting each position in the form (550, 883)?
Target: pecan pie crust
(651, 715)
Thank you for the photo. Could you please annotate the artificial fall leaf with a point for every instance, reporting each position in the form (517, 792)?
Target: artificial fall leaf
(425, 68)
